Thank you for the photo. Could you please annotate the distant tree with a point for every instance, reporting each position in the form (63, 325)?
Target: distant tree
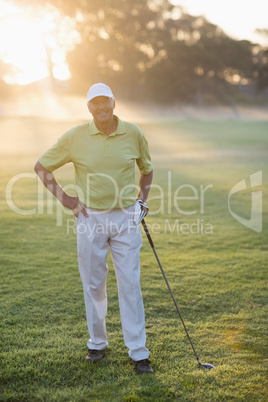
(199, 59)
(261, 63)
(119, 43)
(159, 53)
(151, 49)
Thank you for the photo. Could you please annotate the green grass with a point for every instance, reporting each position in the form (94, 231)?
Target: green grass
(219, 279)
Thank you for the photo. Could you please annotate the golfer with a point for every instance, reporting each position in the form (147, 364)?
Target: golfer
(108, 210)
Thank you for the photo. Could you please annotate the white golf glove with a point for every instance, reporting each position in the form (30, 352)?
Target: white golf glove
(141, 210)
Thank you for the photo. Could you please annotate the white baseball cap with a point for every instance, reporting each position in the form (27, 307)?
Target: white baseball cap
(99, 90)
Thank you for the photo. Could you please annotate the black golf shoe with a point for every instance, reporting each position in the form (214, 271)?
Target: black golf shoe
(94, 355)
(143, 366)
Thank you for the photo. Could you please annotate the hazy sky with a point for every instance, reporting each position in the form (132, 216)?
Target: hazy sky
(238, 18)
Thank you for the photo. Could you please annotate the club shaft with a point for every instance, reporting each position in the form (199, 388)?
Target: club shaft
(167, 283)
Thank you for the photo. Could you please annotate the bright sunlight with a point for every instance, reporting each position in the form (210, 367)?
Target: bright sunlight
(35, 41)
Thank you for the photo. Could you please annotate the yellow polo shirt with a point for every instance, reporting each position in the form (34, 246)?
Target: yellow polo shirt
(104, 165)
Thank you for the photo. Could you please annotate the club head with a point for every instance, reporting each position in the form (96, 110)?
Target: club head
(206, 366)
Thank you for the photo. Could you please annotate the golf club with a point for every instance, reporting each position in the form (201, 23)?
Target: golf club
(201, 365)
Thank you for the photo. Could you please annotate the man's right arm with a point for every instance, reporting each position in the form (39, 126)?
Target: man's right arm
(49, 181)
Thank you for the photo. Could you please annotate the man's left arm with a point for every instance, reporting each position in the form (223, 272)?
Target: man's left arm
(145, 185)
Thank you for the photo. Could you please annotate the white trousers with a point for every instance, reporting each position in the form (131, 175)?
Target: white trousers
(116, 230)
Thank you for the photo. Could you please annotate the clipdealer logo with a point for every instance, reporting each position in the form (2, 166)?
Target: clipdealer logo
(255, 220)
(175, 199)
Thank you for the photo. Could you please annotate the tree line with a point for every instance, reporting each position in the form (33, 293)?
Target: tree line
(153, 50)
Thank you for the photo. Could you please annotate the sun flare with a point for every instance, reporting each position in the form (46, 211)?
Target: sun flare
(35, 41)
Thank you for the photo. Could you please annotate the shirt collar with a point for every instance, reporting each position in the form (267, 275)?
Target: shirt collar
(121, 128)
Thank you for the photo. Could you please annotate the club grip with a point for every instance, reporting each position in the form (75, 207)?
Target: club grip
(147, 233)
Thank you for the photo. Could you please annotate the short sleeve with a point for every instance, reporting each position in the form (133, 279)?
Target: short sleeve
(58, 155)
(144, 161)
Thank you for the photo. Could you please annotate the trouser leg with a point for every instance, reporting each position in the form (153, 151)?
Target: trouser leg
(92, 249)
(125, 249)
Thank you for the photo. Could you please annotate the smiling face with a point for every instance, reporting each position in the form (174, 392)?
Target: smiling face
(102, 109)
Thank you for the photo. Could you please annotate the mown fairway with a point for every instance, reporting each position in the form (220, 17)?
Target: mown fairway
(217, 269)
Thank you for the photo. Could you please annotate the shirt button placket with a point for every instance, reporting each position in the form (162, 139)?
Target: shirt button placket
(107, 146)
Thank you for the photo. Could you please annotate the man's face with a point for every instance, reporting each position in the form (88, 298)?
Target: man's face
(101, 108)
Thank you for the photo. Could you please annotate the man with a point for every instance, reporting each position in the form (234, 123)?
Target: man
(104, 152)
